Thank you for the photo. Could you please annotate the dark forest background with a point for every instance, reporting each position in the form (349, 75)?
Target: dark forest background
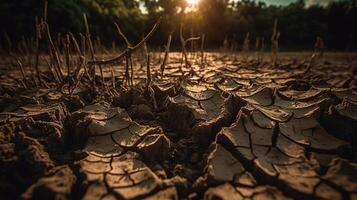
(219, 20)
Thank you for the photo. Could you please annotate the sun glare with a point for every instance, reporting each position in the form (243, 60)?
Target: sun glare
(192, 5)
(192, 2)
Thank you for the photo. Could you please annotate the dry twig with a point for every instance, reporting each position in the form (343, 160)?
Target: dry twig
(275, 42)
(184, 43)
(127, 51)
(167, 50)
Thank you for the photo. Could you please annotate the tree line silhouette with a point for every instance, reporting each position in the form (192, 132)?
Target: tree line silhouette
(221, 21)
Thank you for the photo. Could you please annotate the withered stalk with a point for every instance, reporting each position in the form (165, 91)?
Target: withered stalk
(22, 73)
(184, 43)
(202, 48)
(148, 70)
(167, 50)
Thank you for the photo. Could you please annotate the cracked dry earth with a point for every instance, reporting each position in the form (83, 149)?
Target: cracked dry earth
(233, 129)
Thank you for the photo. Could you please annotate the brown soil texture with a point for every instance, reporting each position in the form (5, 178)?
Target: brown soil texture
(232, 127)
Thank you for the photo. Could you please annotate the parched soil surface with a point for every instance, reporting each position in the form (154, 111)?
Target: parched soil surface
(232, 128)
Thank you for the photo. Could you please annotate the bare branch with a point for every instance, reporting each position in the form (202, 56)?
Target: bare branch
(37, 47)
(22, 73)
(148, 35)
(148, 71)
(167, 50)
(128, 50)
(192, 39)
(82, 58)
(53, 51)
(45, 11)
(123, 36)
(202, 48)
(184, 43)
(88, 36)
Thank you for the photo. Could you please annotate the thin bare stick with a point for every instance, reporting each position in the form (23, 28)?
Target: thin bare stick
(145, 47)
(275, 42)
(192, 43)
(83, 43)
(128, 60)
(67, 58)
(101, 74)
(113, 77)
(54, 52)
(319, 47)
(167, 50)
(246, 43)
(148, 71)
(123, 36)
(88, 36)
(311, 63)
(67, 53)
(262, 49)
(127, 70)
(82, 65)
(90, 44)
(184, 43)
(77, 72)
(76, 47)
(127, 51)
(45, 8)
(183, 46)
(152, 95)
(192, 39)
(76, 83)
(52, 69)
(37, 47)
(23, 73)
(148, 35)
(202, 48)
(131, 70)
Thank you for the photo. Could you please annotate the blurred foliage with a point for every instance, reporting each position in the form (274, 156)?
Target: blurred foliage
(217, 19)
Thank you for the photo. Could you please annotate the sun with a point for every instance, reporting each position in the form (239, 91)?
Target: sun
(192, 2)
(192, 6)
